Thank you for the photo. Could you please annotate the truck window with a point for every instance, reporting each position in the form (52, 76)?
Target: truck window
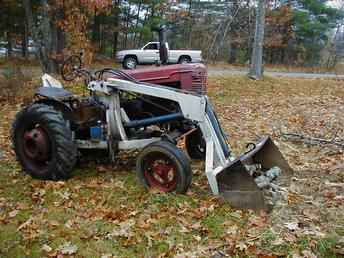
(152, 46)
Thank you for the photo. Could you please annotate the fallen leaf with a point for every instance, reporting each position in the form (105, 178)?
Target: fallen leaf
(308, 254)
(258, 221)
(13, 213)
(241, 245)
(54, 223)
(107, 256)
(123, 229)
(196, 226)
(46, 248)
(22, 206)
(183, 229)
(69, 224)
(198, 238)
(25, 224)
(292, 225)
(68, 248)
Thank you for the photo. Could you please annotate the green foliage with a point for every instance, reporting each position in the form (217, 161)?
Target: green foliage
(296, 31)
(243, 56)
(313, 23)
(326, 246)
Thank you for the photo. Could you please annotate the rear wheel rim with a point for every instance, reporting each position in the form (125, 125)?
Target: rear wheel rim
(36, 146)
(161, 173)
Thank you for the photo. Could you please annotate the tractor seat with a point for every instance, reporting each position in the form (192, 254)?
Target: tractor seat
(54, 93)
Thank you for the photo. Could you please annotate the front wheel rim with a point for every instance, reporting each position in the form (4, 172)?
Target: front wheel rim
(161, 174)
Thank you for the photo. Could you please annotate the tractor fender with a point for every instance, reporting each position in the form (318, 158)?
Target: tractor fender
(63, 107)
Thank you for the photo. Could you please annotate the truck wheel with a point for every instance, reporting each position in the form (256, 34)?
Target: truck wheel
(184, 60)
(129, 62)
(195, 145)
(43, 143)
(163, 166)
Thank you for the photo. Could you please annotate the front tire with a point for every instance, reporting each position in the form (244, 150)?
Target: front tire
(129, 63)
(43, 142)
(163, 166)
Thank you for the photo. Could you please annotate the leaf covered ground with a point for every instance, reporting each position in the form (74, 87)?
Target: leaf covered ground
(103, 211)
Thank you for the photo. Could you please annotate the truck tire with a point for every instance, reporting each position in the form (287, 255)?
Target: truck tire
(184, 60)
(43, 142)
(163, 166)
(129, 62)
(195, 145)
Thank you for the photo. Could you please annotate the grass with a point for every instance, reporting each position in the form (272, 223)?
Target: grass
(103, 210)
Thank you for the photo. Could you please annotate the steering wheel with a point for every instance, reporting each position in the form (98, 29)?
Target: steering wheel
(70, 67)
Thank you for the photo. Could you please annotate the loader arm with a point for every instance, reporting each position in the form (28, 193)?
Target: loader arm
(227, 175)
(196, 108)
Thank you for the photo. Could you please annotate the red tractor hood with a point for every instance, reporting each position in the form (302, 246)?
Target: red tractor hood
(190, 77)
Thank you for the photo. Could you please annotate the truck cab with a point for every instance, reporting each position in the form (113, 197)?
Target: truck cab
(150, 53)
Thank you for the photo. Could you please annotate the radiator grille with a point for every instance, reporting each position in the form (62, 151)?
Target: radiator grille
(199, 82)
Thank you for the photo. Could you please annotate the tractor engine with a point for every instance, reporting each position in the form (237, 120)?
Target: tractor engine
(87, 114)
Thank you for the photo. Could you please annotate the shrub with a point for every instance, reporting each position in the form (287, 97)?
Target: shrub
(12, 81)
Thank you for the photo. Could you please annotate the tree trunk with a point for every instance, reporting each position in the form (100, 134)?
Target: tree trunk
(96, 30)
(9, 44)
(233, 54)
(256, 67)
(115, 33)
(25, 41)
(114, 43)
(137, 22)
(127, 27)
(60, 35)
(143, 24)
(190, 23)
(32, 28)
(47, 45)
(44, 42)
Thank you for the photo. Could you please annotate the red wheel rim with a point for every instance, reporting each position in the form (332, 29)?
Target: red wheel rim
(36, 145)
(161, 174)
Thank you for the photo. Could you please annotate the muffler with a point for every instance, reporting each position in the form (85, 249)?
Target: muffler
(242, 181)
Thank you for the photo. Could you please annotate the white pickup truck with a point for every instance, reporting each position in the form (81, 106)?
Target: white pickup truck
(149, 54)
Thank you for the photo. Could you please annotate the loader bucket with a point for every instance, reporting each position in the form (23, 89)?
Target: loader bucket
(236, 184)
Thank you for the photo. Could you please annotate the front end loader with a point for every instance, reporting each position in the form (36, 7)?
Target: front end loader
(122, 113)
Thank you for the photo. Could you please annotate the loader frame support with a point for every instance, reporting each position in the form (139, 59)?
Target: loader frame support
(227, 175)
(196, 108)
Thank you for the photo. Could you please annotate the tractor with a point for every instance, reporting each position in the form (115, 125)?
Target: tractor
(126, 112)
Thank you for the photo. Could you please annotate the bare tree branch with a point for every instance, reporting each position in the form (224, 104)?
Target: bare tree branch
(313, 140)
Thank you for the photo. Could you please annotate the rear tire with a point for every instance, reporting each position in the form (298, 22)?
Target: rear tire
(129, 63)
(43, 142)
(163, 166)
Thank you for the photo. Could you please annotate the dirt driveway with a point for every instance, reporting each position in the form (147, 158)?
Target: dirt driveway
(212, 72)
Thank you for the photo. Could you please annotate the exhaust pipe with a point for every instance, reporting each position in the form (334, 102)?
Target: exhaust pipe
(163, 46)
